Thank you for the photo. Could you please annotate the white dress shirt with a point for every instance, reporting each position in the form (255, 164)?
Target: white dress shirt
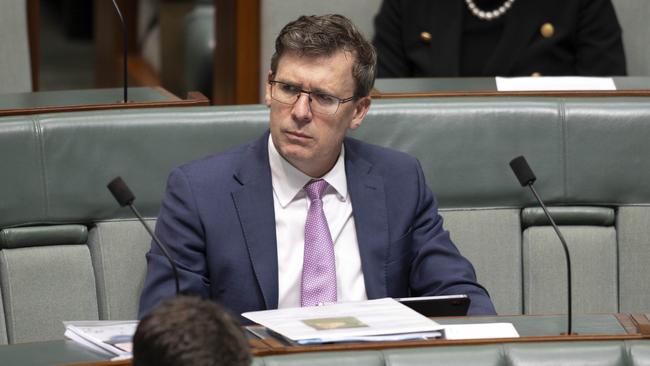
(291, 204)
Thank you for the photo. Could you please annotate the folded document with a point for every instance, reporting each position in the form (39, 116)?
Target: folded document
(112, 337)
(372, 320)
(366, 321)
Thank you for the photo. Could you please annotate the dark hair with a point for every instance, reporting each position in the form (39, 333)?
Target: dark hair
(189, 331)
(324, 35)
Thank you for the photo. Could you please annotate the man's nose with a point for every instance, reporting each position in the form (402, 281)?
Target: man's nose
(301, 109)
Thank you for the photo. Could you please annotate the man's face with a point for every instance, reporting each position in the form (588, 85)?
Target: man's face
(311, 142)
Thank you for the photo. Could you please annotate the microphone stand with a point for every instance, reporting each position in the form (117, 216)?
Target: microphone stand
(566, 255)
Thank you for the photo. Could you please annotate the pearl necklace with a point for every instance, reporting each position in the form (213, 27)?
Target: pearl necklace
(489, 15)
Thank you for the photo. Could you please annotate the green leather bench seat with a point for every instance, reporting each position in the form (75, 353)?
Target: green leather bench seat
(591, 156)
(605, 353)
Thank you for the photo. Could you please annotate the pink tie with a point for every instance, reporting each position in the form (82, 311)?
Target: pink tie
(319, 265)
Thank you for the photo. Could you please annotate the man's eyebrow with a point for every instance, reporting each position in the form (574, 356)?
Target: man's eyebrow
(315, 90)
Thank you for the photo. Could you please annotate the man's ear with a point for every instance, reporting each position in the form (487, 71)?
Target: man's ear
(267, 94)
(361, 107)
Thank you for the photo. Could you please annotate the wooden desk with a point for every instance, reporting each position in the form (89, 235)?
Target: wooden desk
(486, 87)
(533, 329)
(94, 99)
(538, 328)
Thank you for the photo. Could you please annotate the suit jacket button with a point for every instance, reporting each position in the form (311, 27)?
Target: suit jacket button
(425, 36)
(547, 30)
(536, 74)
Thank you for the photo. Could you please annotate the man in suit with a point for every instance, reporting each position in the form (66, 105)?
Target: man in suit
(305, 215)
(449, 38)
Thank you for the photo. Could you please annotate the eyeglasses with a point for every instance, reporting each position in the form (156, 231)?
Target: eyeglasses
(319, 102)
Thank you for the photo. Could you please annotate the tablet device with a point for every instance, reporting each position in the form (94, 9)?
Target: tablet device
(435, 306)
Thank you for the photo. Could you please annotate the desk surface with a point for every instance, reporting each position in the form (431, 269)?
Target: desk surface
(47, 353)
(537, 328)
(441, 87)
(540, 328)
(93, 99)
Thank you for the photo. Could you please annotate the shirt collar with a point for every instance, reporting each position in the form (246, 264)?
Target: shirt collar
(288, 181)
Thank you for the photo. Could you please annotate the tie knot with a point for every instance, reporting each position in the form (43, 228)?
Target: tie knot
(315, 189)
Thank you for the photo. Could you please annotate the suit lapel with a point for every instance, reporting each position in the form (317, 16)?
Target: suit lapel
(522, 22)
(254, 204)
(371, 221)
(445, 33)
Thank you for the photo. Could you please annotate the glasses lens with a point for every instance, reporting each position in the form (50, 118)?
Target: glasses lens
(323, 103)
(284, 93)
(318, 102)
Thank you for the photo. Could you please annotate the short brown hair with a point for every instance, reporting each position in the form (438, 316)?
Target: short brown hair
(189, 331)
(324, 35)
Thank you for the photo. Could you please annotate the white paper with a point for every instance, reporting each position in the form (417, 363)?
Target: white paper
(77, 338)
(554, 83)
(343, 322)
(480, 331)
(110, 336)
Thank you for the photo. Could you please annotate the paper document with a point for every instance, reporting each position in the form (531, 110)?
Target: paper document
(480, 331)
(113, 337)
(553, 83)
(372, 320)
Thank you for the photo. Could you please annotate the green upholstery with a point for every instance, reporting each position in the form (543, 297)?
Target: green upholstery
(594, 270)
(639, 353)
(559, 354)
(117, 249)
(43, 286)
(490, 355)
(575, 215)
(590, 156)
(499, 270)
(634, 240)
(364, 358)
(43, 235)
(604, 353)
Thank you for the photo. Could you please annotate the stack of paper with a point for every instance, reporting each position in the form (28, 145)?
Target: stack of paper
(112, 337)
(554, 83)
(372, 320)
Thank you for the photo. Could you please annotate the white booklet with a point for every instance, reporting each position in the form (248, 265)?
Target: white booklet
(106, 336)
(554, 83)
(373, 320)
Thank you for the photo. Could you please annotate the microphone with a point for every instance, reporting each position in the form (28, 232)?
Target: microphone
(125, 197)
(125, 50)
(526, 177)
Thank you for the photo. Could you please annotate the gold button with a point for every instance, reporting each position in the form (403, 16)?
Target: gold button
(536, 74)
(547, 30)
(425, 36)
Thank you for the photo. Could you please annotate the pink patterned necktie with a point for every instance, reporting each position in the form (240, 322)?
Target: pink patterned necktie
(319, 265)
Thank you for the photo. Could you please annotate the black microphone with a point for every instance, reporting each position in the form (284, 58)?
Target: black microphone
(125, 197)
(526, 177)
(125, 50)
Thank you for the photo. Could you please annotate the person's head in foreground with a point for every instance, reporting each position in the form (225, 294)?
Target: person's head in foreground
(189, 331)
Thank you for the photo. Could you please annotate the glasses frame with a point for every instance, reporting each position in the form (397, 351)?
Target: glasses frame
(308, 92)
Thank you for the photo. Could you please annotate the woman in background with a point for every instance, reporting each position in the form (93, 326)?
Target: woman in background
(448, 38)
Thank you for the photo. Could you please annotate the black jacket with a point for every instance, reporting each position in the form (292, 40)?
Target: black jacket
(586, 39)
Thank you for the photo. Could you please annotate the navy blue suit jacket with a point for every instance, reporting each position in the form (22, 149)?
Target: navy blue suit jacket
(217, 218)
